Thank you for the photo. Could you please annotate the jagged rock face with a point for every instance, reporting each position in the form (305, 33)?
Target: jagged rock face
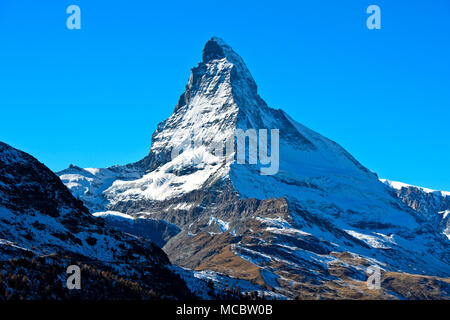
(426, 202)
(39, 215)
(287, 228)
(434, 206)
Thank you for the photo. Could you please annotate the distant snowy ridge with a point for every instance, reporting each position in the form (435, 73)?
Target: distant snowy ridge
(434, 205)
(399, 185)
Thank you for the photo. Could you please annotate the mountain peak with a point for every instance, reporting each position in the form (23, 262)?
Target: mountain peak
(213, 50)
(216, 49)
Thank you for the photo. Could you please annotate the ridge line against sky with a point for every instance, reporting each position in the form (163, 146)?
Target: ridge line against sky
(93, 97)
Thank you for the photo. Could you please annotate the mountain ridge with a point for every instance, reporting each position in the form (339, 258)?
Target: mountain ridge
(43, 227)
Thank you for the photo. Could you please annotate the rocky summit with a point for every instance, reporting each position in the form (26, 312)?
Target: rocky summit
(312, 228)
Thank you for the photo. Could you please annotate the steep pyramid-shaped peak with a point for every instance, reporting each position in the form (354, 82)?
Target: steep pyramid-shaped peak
(220, 92)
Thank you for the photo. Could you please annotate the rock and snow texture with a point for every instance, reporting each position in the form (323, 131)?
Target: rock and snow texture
(158, 231)
(321, 201)
(37, 211)
(90, 183)
(433, 205)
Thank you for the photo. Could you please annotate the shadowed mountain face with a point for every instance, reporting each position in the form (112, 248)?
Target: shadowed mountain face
(39, 218)
(309, 229)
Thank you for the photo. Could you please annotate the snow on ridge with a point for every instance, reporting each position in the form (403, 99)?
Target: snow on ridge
(379, 241)
(182, 206)
(399, 185)
(281, 226)
(223, 225)
(113, 214)
(444, 213)
(93, 171)
(162, 184)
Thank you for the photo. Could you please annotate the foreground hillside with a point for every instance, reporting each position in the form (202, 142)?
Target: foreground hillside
(44, 229)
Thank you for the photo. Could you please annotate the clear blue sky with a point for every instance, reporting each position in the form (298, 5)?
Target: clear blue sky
(94, 96)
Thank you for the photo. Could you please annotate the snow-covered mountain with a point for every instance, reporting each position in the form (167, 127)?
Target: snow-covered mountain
(310, 229)
(40, 219)
(434, 205)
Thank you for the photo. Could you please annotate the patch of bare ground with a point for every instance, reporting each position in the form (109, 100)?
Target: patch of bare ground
(229, 263)
(417, 287)
(394, 285)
